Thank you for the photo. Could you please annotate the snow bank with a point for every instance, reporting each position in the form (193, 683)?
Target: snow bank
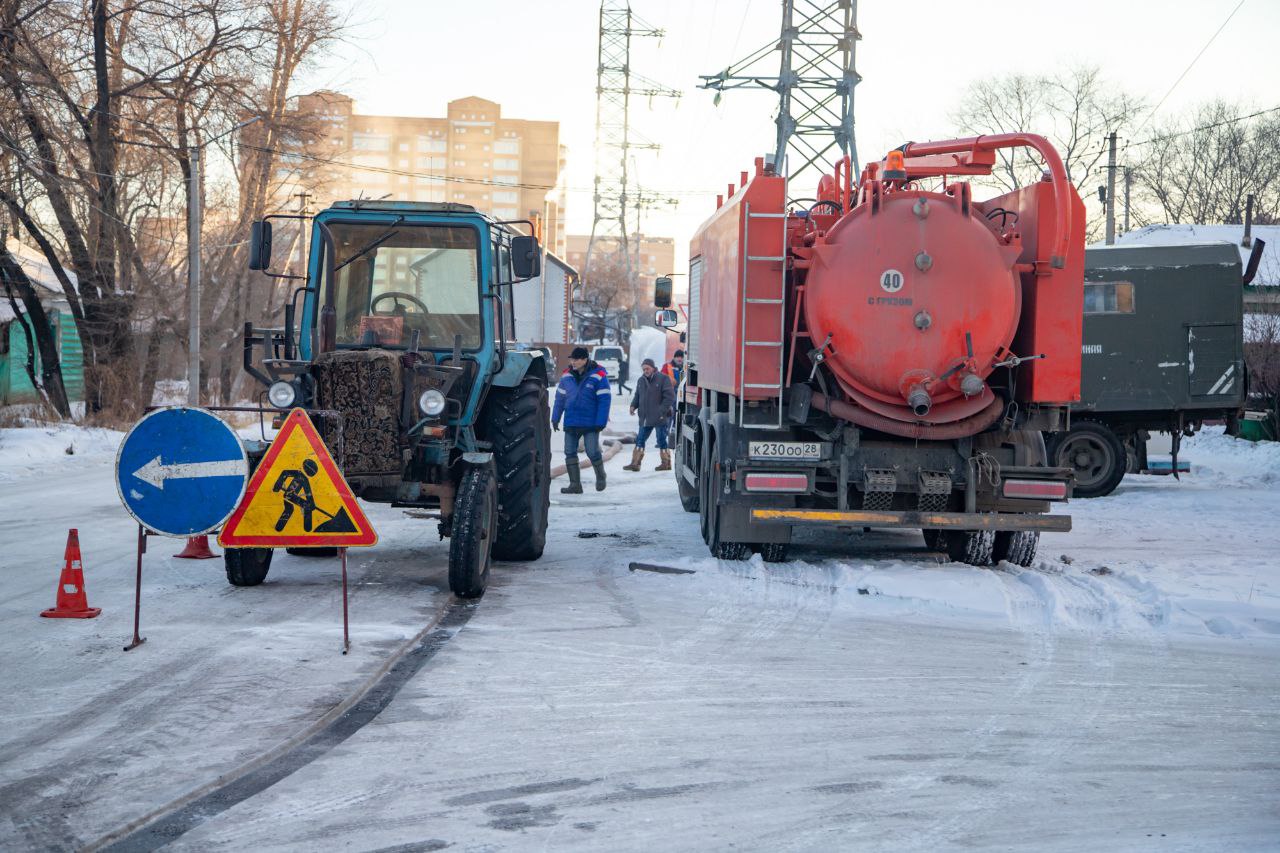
(1223, 460)
(25, 451)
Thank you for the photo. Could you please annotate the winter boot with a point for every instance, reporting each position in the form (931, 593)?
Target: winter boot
(665, 464)
(599, 466)
(637, 456)
(575, 478)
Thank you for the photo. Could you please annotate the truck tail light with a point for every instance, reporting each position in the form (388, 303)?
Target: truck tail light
(1044, 490)
(776, 483)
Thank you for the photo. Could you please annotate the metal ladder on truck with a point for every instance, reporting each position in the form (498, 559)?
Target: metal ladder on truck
(764, 316)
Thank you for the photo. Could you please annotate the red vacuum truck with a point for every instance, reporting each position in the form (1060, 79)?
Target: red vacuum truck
(888, 354)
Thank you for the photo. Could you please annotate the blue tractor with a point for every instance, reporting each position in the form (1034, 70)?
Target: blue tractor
(399, 352)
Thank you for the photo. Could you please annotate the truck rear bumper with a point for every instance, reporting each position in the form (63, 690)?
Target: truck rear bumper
(923, 520)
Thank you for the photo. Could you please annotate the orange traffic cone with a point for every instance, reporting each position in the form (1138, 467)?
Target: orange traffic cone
(72, 602)
(197, 548)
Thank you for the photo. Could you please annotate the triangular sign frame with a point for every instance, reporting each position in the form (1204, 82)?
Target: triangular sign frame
(232, 535)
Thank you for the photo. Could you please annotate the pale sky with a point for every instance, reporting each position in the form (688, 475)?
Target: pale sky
(538, 59)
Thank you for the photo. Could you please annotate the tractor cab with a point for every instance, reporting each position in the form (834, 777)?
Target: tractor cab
(396, 342)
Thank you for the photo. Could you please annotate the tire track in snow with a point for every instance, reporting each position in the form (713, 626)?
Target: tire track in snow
(166, 824)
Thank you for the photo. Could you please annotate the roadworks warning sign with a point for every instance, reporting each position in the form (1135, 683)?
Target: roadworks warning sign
(297, 497)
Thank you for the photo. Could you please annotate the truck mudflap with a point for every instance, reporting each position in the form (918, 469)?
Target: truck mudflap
(922, 520)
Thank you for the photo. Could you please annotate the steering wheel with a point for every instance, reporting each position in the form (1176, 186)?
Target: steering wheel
(397, 295)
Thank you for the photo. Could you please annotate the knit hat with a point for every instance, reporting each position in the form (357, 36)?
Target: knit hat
(649, 362)
(579, 352)
(678, 354)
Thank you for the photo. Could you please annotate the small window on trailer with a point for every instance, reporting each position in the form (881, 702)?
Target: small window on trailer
(1109, 297)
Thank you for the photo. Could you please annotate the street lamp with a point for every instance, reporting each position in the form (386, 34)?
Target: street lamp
(194, 222)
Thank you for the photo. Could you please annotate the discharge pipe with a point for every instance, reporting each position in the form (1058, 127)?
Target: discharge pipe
(1037, 143)
(928, 432)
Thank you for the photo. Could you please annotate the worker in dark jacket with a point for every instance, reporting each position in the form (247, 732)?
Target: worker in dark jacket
(582, 398)
(654, 400)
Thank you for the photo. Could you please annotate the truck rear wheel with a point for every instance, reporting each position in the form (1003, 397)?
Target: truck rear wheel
(313, 552)
(517, 424)
(475, 523)
(1016, 546)
(710, 510)
(247, 566)
(1095, 453)
(970, 546)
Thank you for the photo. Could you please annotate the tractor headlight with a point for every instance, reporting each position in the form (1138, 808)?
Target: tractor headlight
(431, 402)
(282, 394)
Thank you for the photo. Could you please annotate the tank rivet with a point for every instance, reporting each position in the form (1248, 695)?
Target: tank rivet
(921, 208)
(923, 261)
(923, 320)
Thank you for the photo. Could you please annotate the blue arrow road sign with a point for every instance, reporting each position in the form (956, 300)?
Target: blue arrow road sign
(181, 471)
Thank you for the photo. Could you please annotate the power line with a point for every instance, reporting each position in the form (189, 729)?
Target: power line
(1192, 130)
(1187, 70)
(455, 179)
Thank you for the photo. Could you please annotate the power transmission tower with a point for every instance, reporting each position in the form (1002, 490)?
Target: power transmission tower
(616, 85)
(814, 82)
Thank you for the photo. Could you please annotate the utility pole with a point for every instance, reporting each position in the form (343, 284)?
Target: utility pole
(616, 85)
(1111, 189)
(193, 280)
(1128, 182)
(814, 82)
(195, 215)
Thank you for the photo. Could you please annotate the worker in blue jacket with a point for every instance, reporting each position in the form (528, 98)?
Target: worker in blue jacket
(582, 398)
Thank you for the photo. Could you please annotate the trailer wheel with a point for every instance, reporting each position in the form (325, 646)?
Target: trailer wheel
(1095, 453)
(1016, 546)
(774, 552)
(475, 523)
(970, 546)
(688, 493)
(710, 501)
(247, 566)
(518, 426)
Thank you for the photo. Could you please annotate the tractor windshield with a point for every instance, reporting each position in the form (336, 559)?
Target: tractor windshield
(394, 279)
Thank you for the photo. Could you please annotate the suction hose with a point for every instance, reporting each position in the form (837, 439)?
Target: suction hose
(928, 432)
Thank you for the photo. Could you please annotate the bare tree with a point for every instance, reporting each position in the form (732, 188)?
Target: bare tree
(605, 300)
(1075, 109)
(1201, 167)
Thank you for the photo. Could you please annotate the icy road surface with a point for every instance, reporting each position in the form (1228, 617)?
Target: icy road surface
(867, 695)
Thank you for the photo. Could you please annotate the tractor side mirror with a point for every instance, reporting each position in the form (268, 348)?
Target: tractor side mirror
(666, 318)
(526, 257)
(260, 245)
(662, 292)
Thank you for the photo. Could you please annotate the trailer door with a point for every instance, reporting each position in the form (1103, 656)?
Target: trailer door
(1213, 360)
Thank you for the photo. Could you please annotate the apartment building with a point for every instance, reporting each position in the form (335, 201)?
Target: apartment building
(657, 255)
(509, 168)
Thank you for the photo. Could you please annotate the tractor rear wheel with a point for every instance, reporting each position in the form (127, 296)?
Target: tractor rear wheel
(475, 523)
(313, 552)
(247, 566)
(518, 426)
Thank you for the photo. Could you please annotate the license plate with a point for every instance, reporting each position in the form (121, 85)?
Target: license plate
(801, 450)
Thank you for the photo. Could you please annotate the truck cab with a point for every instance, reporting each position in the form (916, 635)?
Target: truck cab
(396, 343)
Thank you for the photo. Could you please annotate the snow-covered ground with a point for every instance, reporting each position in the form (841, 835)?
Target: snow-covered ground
(866, 695)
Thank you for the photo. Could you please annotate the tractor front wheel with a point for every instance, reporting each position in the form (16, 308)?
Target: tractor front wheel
(518, 426)
(475, 523)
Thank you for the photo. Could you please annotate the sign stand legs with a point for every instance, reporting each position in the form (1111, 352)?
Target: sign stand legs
(346, 635)
(137, 592)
